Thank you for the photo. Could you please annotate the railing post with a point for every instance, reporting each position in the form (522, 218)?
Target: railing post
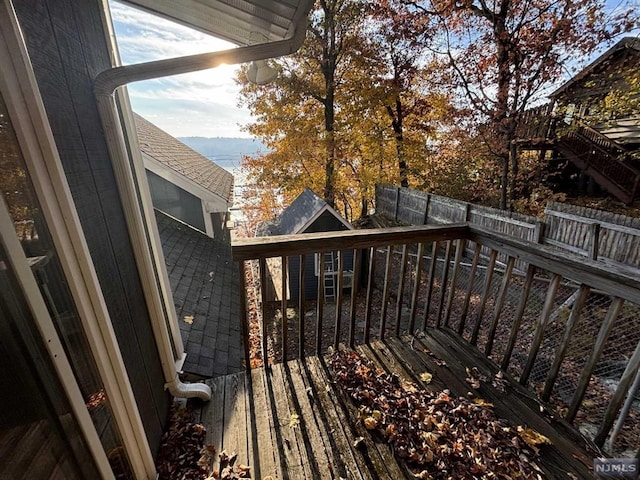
(618, 397)
(538, 232)
(339, 295)
(540, 328)
(385, 292)
(587, 371)
(416, 288)
(400, 292)
(283, 306)
(425, 219)
(263, 301)
(355, 283)
(594, 241)
(301, 312)
(370, 281)
(243, 314)
(320, 304)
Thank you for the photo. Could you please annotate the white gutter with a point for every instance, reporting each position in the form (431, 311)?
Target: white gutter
(105, 87)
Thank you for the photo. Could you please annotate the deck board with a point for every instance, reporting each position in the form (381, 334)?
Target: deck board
(265, 447)
(251, 414)
(293, 453)
(315, 437)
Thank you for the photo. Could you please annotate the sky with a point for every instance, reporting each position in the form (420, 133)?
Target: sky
(201, 104)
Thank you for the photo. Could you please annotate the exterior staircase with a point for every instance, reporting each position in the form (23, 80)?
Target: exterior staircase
(602, 159)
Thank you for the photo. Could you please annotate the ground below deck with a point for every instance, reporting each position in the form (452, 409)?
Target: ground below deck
(292, 422)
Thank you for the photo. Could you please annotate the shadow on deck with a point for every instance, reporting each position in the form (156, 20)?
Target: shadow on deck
(254, 413)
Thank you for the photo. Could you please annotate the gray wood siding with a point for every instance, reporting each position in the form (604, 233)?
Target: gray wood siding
(176, 201)
(326, 222)
(67, 47)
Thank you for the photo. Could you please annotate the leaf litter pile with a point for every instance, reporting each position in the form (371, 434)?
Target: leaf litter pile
(436, 435)
(184, 455)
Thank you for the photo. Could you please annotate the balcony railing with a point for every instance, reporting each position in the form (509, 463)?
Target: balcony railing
(562, 326)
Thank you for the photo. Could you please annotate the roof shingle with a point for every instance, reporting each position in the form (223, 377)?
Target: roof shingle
(183, 160)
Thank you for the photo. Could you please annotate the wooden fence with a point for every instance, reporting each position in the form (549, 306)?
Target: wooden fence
(610, 238)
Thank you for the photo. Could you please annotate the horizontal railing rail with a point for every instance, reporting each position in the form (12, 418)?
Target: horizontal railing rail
(563, 326)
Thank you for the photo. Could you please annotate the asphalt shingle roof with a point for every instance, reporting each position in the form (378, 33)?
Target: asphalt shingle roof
(206, 291)
(185, 161)
(301, 210)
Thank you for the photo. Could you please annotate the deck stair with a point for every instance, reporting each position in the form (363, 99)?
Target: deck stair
(602, 159)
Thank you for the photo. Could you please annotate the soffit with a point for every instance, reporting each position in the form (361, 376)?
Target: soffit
(243, 22)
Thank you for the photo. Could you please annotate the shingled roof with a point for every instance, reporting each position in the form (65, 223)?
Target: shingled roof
(297, 217)
(183, 160)
(626, 45)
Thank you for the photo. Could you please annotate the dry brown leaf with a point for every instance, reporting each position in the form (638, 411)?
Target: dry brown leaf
(426, 377)
(294, 420)
(482, 402)
(532, 437)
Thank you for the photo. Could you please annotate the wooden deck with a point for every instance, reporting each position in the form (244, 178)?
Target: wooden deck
(292, 422)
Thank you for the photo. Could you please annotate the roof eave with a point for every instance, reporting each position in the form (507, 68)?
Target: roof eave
(631, 43)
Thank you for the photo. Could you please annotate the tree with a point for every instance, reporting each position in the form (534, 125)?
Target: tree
(504, 52)
(297, 113)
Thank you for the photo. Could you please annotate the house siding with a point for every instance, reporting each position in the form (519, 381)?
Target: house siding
(67, 47)
(326, 222)
(176, 201)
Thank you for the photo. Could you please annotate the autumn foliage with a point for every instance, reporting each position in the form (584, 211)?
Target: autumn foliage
(437, 435)
(425, 94)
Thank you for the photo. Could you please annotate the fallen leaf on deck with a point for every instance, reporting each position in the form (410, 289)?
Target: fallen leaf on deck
(188, 319)
(532, 437)
(294, 420)
(437, 435)
(482, 402)
(426, 377)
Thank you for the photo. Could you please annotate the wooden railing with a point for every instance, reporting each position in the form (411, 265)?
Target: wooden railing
(563, 326)
(537, 123)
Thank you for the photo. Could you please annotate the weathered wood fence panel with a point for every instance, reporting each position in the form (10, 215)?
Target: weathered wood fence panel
(608, 237)
(605, 236)
(412, 206)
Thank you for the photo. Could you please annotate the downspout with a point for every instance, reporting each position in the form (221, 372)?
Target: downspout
(105, 86)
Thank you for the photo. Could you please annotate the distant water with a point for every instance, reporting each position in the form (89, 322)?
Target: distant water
(229, 165)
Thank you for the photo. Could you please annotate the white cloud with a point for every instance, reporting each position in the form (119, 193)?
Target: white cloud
(195, 104)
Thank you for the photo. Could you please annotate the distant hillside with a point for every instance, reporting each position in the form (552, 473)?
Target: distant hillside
(226, 152)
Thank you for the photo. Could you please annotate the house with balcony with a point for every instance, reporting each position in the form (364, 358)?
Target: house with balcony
(91, 344)
(593, 121)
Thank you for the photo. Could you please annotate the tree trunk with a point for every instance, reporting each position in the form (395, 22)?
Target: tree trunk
(515, 170)
(329, 55)
(397, 117)
(501, 112)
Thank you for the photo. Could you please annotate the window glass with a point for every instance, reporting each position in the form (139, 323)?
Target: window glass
(39, 249)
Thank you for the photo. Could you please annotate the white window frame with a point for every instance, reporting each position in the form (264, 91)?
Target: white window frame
(21, 94)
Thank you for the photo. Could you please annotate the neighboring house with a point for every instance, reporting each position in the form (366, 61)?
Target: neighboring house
(593, 122)
(90, 345)
(183, 183)
(615, 73)
(308, 213)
